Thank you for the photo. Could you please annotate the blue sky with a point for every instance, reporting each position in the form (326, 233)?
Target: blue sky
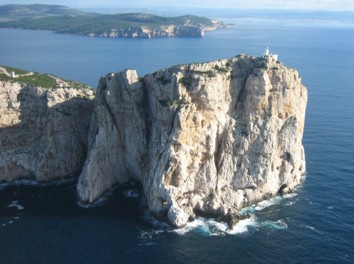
(335, 5)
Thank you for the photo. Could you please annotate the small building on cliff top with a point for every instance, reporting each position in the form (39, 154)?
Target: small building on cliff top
(267, 53)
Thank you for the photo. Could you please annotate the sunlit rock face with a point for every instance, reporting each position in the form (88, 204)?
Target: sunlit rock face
(202, 139)
(43, 132)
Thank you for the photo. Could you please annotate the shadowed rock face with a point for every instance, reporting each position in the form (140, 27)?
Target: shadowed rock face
(43, 132)
(203, 139)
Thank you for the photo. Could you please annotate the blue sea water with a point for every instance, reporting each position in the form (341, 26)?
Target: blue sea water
(44, 224)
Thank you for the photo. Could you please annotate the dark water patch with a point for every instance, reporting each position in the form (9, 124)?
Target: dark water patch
(61, 200)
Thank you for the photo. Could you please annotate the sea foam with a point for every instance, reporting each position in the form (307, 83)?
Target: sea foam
(16, 205)
(267, 203)
(210, 227)
(243, 226)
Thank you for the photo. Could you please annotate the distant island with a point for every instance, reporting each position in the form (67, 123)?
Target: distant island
(62, 19)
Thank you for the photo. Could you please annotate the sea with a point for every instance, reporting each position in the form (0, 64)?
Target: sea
(45, 223)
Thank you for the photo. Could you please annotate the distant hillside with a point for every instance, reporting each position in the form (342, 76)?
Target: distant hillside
(15, 12)
(62, 19)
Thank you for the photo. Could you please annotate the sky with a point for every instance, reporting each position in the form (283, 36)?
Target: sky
(334, 5)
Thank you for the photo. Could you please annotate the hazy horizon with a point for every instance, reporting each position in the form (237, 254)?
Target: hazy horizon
(311, 5)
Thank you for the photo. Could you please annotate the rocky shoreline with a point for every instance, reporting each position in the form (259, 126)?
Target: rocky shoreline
(202, 139)
(167, 31)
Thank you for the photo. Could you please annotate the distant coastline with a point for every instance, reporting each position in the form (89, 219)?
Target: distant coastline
(62, 19)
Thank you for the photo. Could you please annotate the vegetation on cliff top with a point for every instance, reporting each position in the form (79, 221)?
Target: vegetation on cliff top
(37, 79)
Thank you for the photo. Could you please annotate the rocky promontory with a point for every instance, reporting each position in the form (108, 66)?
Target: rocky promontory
(202, 139)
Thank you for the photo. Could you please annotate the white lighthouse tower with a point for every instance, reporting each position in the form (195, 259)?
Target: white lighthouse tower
(267, 53)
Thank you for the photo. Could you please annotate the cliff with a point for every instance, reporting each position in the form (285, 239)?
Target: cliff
(164, 31)
(43, 131)
(203, 139)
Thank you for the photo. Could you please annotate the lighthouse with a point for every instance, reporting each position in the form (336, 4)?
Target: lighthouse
(267, 53)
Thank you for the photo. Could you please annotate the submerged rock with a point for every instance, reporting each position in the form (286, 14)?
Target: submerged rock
(206, 138)
(43, 132)
(233, 219)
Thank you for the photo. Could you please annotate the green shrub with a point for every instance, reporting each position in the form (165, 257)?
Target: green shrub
(209, 73)
(15, 70)
(38, 80)
(174, 104)
(77, 85)
(221, 69)
(4, 77)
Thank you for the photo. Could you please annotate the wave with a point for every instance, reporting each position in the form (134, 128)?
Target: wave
(19, 183)
(16, 205)
(105, 198)
(267, 203)
(274, 225)
(101, 201)
(289, 195)
(243, 226)
(10, 221)
(7, 223)
(29, 182)
(210, 227)
(131, 193)
(309, 227)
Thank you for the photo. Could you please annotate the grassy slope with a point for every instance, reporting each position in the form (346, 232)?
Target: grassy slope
(37, 79)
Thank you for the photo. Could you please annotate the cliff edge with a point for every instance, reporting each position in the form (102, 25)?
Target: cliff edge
(203, 139)
(43, 131)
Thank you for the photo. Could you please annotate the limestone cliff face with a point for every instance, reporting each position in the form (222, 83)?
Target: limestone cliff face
(203, 139)
(190, 28)
(117, 136)
(43, 132)
(156, 32)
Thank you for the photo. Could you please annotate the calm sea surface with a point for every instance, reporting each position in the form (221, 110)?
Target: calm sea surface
(44, 224)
